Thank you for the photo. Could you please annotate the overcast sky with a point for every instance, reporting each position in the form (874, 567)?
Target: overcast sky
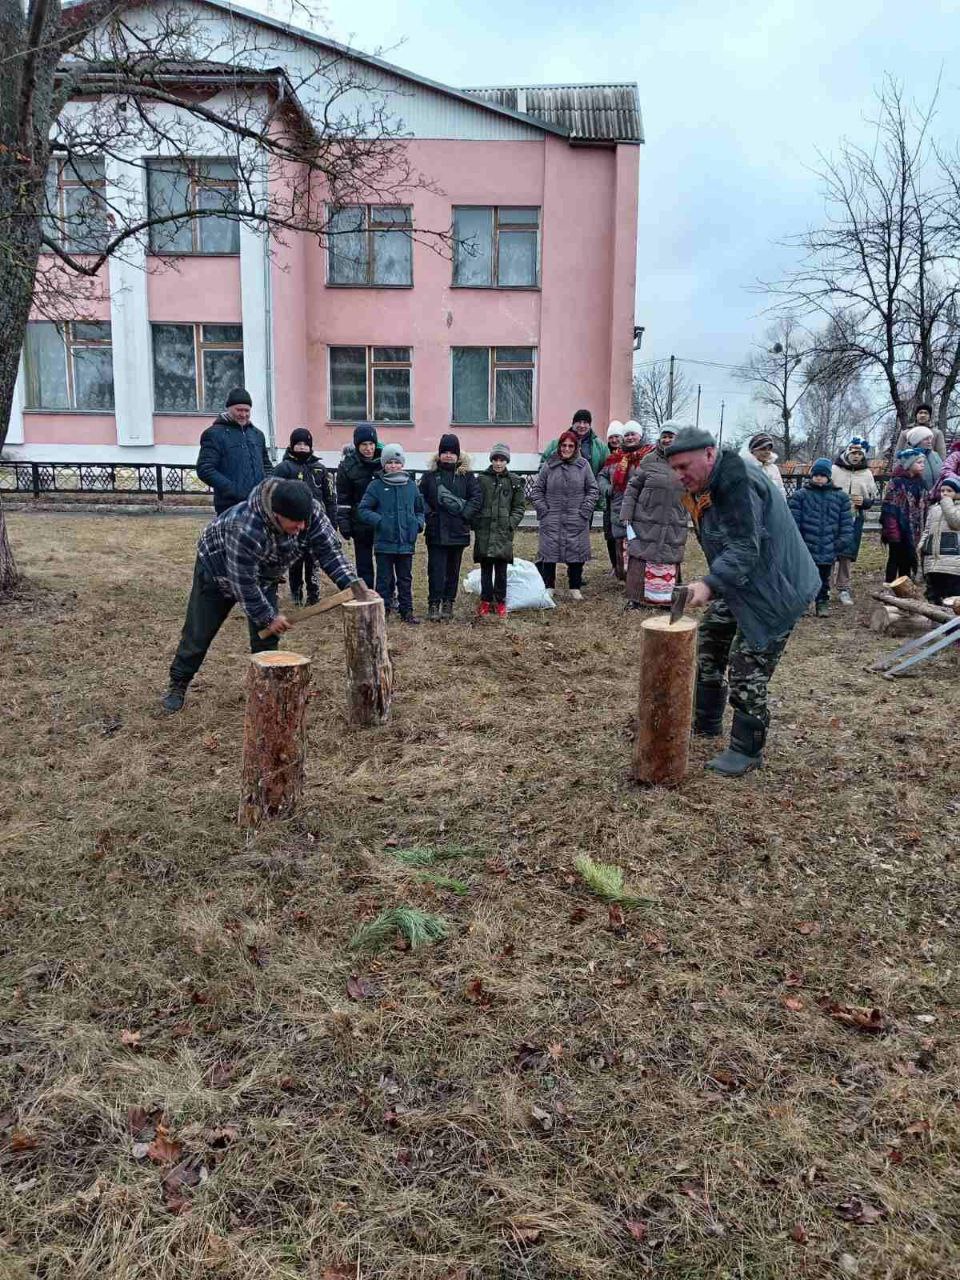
(736, 95)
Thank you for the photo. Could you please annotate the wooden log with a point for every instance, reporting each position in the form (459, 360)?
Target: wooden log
(668, 669)
(887, 621)
(274, 736)
(903, 587)
(369, 671)
(922, 607)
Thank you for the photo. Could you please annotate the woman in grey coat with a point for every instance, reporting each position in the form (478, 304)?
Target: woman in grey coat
(656, 524)
(564, 496)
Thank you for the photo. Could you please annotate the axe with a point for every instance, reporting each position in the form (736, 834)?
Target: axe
(355, 591)
(678, 603)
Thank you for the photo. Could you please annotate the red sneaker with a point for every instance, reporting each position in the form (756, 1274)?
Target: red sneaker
(483, 609)
(501, 609)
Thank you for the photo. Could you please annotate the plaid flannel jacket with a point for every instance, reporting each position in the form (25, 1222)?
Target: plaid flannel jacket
(244, 551)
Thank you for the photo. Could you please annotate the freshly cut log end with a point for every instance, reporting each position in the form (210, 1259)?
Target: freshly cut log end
(668, 672)
(369, 670)
(274, 736)
(904, 587)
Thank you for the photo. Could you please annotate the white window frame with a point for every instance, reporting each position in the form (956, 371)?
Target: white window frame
(193, 165)
(492, 366)
(369, 229)
(199, 347)
(371, 365)
(95, 189)
(498, 226)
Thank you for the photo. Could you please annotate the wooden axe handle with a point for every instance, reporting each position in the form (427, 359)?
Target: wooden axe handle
(353, 592)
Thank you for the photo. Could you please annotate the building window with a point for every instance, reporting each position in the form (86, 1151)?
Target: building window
(370, 384)
(370, 246)
(68, 366)
(195, 365)
(207, 187)
(493, 384)
(76, 208)
(496, 247)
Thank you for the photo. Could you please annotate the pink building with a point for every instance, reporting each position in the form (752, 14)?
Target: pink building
(531, 318)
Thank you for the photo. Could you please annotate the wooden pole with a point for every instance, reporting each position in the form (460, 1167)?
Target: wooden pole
(668, 669)
(922, 607)
(369, 671)
(274, 736)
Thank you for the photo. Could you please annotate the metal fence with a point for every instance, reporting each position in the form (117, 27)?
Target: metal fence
(160, 481)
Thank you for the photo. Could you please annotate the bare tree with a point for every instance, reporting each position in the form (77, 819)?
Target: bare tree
(883, 269)
(775, 372)
(835, 407)
(651, 394)
(84, 86)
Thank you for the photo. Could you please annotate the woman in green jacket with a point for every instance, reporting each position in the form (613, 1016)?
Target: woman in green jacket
(495, 525)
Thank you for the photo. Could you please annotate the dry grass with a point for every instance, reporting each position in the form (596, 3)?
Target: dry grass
(548, 1093)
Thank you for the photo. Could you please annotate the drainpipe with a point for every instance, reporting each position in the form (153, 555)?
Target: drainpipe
(268, 325)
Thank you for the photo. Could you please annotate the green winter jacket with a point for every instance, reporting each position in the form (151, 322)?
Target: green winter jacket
(499, 517)
(599, 452)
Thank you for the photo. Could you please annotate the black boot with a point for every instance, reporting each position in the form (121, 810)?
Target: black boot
(173, 699)
(708, 708)
(446, 610)
(433, 611)
(745, 752)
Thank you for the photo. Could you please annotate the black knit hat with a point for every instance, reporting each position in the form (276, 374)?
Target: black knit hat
(362, 432)
(928, 407)
(300, 435)
(583, 415)
(292, 498)
(238, 395)
(449, 444)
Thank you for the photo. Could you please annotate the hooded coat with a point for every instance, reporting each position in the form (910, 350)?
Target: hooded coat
(310, 470)
(939, 444)
(951, 466)
(353, 475)
(446, 527)
(758, 563)
(856, 481)
(499, 516)
(941, 538)
(653, 505)
(769, 469)
(564, 495)
(232, 460)
(825, 520)
(904, 510)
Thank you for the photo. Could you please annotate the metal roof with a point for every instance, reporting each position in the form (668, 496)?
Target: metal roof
(585, 112)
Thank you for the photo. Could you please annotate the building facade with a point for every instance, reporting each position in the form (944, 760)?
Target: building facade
(525, 317)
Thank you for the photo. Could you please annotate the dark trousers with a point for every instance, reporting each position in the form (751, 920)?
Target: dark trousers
(723, 654)
(493, 580)
(207, 610)
(395, 576)
(613, 551)
(443, 572)
(901, 562)
(825, 572)
(305, 567)
(363, 552)
(548, 572)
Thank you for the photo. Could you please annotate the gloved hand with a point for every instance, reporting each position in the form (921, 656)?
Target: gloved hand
(631, 534)
(450, 501)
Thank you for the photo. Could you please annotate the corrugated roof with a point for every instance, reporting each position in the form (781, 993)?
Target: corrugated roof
(585, 112)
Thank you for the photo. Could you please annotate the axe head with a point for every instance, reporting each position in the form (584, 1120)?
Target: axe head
(678, 603)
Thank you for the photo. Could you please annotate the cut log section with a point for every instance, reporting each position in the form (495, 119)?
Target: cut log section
(903, 587)
(369, 671)
(274, 736)
(921, 607)
(668, 670)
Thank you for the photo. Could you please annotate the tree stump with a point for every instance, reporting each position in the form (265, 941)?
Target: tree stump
(668, 671)
(369, 671)
(903, 587)
(274, 736)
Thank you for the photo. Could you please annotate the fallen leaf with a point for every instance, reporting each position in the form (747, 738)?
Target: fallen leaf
(210, 742)
(555, 1050)
(223, 1137)
(130, 1038)
(163, 1149)
(141, 1121)
(357, 988)
(793, 980)
(477, 993)
(542, 1117)
(615, 917)
(793, 1003)
(339, 1272)
(525, 1233)
(918, 1127)
(637, 1229)
(20, 1140)
(860, 1212)
(140, 1150)
(258, 955)
(798, 1233)
(187, 1174)
(578, 915)
(655, 941)
(861, 1017)
(528, 1057)
(809, 928)
(895, 1155)
(220, 1075)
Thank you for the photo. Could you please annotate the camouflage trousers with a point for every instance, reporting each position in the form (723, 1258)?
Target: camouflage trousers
(724, 655)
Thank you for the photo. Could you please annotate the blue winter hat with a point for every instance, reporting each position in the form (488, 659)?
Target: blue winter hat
(859, 442)
(906, 456)
(364, 431)
(951, 482)
(822, 467)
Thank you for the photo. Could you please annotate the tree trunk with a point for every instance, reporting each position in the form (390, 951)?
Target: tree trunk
(921, 607)
(668, 668)
(274, 736)
(8, 568)
(369, 671)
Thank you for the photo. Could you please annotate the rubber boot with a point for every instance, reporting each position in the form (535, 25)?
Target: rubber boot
(173, 700)
(500, 609)
(433, 611)
(708, 707)
(483, 609)
(745, 752)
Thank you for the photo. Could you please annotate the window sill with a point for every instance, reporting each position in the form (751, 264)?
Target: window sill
(333, 284)
(495, 426)
(159, 253)
(79, 413)
(187, 413)
(352, 422)
(500, 288)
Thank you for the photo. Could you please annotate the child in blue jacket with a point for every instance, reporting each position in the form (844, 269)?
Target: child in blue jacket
(825, 517)
(394, 506)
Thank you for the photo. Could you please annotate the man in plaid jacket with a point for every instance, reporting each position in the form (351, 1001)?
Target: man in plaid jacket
(241, 557)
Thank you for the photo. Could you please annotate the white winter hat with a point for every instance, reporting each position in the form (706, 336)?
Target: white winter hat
(672, 426)
(632, 426)
(615, 429)
(916, 434)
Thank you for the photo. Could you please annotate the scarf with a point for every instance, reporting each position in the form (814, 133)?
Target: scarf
(627, 460)
(395, 477)
(696, 504)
